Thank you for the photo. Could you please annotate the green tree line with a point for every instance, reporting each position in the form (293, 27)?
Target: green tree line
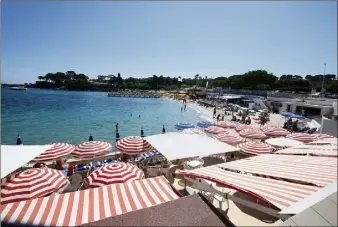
(255, 80)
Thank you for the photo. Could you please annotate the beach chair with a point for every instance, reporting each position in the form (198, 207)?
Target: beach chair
(75, 183)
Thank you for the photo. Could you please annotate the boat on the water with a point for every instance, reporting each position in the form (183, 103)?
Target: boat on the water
(20, 88)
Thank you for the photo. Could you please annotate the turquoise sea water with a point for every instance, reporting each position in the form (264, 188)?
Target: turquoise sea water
(47, 116)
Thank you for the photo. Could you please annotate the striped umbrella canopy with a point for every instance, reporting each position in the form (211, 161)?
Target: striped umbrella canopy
(133, 145)
(302, 137)
(273, 131)
(57, 150)
(323, 136)
(91, 149)
(32, 183)
(252, 133)
(193, 131)
(229, 138)
(255, 148)
(114, 173)
(214, 130)
(181, 126)
(240, 127)
(226, 124)
(205, 124)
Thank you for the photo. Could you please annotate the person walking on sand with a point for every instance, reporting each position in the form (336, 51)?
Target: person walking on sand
(185, 107)
(214, 115)
(181, 109)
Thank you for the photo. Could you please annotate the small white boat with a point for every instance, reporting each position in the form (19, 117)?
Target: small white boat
(18, 88)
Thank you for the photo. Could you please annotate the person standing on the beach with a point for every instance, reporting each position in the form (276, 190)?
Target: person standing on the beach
(185, 107)
(117, 127)
(181, 109)
(214, 115)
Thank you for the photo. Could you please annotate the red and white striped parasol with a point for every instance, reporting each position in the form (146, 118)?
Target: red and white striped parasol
(214, 130)
(302, 137)
(32, 183)
(193, 131)
(252, 133)
(133, 145)
(91, 149)
(323, 136)
(273, 131)
(57, 150)
(255, 148)
(229, 138)
(114, 173)
(241, 127)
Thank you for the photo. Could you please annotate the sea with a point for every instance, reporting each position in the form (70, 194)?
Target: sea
(42, 116)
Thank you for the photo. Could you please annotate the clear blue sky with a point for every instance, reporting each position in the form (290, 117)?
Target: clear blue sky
(174, 38)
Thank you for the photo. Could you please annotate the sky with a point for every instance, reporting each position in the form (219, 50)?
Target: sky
(172, 38)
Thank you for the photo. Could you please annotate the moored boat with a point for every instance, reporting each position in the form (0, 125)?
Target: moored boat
(18, 88)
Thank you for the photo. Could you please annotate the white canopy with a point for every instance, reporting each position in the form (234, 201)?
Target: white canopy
(283, 142)
(311, 200)
(15, 156)
(174, 145)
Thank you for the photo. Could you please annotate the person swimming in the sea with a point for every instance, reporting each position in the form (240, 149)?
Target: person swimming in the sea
(131, 114)
(139, 116)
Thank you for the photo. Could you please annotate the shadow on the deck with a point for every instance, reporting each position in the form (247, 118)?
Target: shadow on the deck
(252, 212)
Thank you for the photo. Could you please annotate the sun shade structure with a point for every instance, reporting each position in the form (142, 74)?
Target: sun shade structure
(114, 173)
(302, 137)
(91, 149)
(280, 194)
(205, 124)
(193, 131)
(241, 127)
(255, 148)
(13, 157)
(318, 171)
(193, 210)
(228, 138)
(226, 124)
(275, 131)
(214, 130)
(175, 145)
(321, 150)
(312, 199)
(183, 125)
(32, 183)
(323, 136)
(80, 207)
(251, 133)
(133, 145)
(282, 142)
(57, 150)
